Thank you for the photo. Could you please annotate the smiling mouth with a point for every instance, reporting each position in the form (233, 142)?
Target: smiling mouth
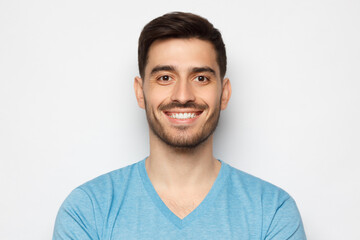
(183, 115)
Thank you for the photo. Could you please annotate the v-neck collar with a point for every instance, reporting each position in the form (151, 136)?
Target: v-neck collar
(198, 211)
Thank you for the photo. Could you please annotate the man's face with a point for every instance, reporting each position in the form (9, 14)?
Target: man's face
(182, 91)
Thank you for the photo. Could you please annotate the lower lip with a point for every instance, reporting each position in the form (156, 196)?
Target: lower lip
(182, 121)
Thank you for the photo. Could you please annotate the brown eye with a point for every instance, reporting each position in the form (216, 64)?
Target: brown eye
(165, 78)
(201, 78)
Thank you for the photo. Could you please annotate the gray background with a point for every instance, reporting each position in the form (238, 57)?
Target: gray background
(68, 112)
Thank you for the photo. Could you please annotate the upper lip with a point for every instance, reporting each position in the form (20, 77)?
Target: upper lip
(183, 111)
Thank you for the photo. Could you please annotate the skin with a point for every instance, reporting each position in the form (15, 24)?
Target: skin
(182, 75)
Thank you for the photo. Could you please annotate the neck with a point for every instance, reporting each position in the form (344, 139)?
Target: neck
(172, 168)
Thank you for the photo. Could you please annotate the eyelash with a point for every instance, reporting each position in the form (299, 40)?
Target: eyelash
(161, 78)
(205, 78)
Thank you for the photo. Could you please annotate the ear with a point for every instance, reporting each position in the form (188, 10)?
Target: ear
(226, 93)
(139, 93)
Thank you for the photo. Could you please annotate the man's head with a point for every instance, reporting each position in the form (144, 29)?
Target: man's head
(182, 87)
(180, 25)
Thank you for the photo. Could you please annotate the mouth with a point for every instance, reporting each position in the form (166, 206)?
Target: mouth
(185, 116)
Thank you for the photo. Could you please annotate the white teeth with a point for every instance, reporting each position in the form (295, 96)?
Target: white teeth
(182, 115)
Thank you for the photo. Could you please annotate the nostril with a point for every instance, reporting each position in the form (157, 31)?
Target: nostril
(183, 93)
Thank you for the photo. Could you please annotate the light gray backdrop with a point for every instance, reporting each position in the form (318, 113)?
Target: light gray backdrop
(68, 112)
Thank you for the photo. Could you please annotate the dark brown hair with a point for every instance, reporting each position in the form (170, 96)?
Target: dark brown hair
(180, 25)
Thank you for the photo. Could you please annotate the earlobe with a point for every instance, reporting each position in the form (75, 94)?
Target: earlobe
(139, 93)
(226, 93)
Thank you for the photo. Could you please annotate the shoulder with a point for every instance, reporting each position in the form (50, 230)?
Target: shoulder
(82, 213)
(110, 180)
(277, 209)
(99, 192)
(279, 213)
(257, 193)
(253, 185)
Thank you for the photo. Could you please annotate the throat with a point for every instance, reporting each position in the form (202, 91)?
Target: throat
(182, 187)
(182, 205)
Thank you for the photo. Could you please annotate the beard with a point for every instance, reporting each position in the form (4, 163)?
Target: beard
(182, 139)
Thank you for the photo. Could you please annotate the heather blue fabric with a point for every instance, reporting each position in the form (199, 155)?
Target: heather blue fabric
(123, 204)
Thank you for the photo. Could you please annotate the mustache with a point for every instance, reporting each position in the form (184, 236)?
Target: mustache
(172, 105)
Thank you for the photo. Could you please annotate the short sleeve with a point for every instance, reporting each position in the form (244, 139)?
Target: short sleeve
(75, 219)
(286, 223)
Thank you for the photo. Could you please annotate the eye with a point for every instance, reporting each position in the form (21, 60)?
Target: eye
(201, 78)
(165, 78)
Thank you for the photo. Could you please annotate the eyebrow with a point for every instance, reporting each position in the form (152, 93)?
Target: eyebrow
(172, 69)
(203, 69)
(162, 68)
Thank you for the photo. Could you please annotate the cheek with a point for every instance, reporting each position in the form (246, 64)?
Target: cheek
(211, 97)
(155, 97)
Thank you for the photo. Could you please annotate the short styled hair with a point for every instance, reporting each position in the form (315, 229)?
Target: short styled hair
(180, 25)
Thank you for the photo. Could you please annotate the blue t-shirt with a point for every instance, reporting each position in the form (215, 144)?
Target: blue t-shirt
(123, 204)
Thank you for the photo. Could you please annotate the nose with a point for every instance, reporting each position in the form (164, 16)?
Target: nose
(183, 92)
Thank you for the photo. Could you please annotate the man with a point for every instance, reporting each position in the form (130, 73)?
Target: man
(180, 191)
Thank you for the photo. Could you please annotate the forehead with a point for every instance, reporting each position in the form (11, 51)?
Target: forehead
(182, 54)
